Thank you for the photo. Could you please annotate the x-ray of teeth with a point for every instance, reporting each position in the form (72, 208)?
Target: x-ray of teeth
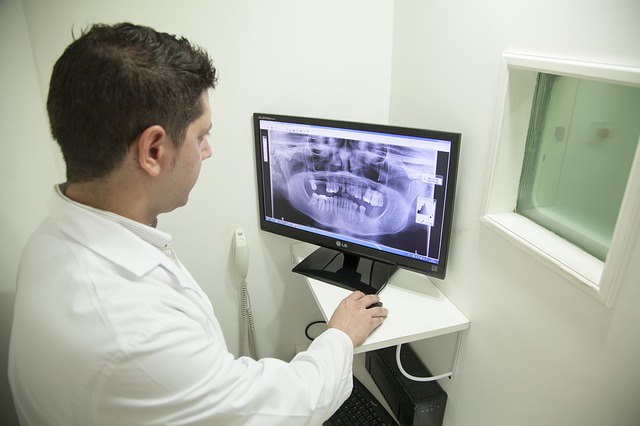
(353, 186)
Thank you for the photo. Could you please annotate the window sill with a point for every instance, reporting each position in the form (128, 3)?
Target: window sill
(590, 236)
(555, 252)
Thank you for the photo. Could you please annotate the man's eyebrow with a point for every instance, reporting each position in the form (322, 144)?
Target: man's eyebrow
(207, 130)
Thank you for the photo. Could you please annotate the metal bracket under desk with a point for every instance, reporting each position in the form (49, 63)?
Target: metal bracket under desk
(456, 354)
(417, 308)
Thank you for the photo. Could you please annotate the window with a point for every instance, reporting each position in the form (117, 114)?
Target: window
(581, 142)
(565, 181)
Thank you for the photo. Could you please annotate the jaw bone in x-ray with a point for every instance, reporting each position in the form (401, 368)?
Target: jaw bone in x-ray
(352, 186)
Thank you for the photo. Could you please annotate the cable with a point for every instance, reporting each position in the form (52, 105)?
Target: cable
(414, 378)
(248, 327)
(306, 330)
(248, 331)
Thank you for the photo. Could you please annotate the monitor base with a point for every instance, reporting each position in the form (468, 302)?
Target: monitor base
(346, 270)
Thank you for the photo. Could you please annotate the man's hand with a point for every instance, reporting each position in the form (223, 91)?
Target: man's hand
(353, 317)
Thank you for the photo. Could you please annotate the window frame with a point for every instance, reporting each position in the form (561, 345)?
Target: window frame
(599, 279)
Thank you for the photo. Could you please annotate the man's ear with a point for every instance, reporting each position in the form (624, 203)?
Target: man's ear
(152, 146)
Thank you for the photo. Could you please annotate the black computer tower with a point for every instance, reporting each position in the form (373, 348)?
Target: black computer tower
(413, 403)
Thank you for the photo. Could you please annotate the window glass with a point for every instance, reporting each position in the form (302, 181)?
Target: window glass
(580, 146)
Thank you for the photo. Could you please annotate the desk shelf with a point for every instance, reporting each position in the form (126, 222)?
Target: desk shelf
(417, 309)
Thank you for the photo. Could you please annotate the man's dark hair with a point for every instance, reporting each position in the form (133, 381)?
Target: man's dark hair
(115, 81)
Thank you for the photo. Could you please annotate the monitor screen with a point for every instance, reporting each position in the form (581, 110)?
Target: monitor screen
(373, 197)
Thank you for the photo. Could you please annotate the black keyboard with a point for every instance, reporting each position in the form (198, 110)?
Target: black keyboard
(361, 408)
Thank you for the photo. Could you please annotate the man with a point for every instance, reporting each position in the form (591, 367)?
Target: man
(109, 327)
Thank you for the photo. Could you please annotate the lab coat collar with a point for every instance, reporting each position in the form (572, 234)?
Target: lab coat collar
(134, 246)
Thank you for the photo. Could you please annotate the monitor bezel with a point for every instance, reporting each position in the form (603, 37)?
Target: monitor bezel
(424, 267)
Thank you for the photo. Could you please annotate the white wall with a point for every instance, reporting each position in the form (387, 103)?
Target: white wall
(26, 168)
(539, 351)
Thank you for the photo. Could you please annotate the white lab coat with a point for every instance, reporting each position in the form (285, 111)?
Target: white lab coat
(110, 329)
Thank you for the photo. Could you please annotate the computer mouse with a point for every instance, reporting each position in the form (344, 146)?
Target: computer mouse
(373, 305)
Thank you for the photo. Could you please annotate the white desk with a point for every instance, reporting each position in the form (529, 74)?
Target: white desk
(417, 309)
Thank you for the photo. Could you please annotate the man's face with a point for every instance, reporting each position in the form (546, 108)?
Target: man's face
(189, 156)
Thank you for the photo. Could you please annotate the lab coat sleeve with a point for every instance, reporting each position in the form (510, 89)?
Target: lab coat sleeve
(176, 376)
(311, 387)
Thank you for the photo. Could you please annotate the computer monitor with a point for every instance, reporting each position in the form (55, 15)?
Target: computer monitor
(372, 197)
